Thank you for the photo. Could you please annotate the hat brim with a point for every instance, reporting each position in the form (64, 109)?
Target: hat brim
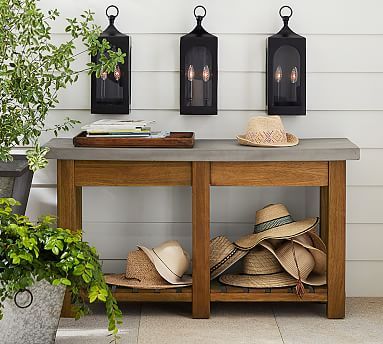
(122, 281)
(316, 277)
(230, 262)
(287, 231)
(292, 140)
(164, 271)
(280, 279)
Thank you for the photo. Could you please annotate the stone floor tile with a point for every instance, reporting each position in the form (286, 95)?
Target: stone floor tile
(97, 320)
(229, 323)
(307, 323)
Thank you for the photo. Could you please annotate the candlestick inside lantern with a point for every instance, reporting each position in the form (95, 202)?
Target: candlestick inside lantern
(205, 78)
(190, 76)
(278, 77)
(293, 80)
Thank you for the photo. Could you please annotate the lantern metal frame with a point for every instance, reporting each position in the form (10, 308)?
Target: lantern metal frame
(121, 76)
(200, 39)
(292, 44)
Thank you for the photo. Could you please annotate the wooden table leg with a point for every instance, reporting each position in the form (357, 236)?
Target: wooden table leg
(201, 239)
(336, 240)
(69, 210)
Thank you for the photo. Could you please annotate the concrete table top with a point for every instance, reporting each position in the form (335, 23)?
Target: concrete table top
(321, 149)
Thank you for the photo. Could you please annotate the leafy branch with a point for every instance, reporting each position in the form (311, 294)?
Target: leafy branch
(33, 70)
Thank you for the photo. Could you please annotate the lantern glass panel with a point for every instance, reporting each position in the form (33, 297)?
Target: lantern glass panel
(109, 87)
(286, 76)
(198, 77)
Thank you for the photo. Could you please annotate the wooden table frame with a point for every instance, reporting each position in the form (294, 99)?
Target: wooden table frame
(330, 176)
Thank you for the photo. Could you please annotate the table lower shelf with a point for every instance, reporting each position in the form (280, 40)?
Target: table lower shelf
(222, 293)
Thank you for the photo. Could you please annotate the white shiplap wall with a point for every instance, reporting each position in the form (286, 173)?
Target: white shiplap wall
(344, 87)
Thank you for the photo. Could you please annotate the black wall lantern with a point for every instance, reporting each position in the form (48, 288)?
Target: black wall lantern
(199, 70)
(111, 92)
(286, 71)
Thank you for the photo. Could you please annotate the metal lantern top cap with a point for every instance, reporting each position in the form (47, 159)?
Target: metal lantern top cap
(286, 31)
(111, 30)
(199, 30)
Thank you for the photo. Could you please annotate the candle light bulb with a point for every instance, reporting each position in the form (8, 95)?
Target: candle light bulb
(191, 73)
(117, 73)
(278, 74)
(103, 75)
(294, 75)
(206, 74)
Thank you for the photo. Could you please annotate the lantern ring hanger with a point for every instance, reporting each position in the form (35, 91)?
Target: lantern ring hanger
(282, 8)
(30, 298)
(195, 11)
(110, 15)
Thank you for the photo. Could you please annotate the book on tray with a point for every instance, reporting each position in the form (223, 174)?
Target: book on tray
(111, 128)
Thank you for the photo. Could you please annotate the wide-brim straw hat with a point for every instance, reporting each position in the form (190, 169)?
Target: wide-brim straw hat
(267, 131)
(260, 270)
(223, 254)
(275, 222)
(301, 260)
(171, 261)
(140, 274)
(260, 261)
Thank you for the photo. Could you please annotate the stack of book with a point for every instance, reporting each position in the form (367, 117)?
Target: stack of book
(121, 128)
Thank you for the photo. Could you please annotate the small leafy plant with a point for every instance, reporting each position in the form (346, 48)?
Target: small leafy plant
(33, 252)
(34, 68)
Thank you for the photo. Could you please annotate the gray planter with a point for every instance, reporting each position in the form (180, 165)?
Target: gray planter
(36, 324)
(16, 181)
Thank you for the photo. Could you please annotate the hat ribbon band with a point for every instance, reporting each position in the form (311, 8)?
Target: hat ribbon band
(224, 260)
(165, 264)
(280, 221)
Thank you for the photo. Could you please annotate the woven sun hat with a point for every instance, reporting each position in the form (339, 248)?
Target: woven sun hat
(140, 273)
(171, 261)
(223, 254)
(260, 261)
(275, 222)
(300, 262)
(267, 131)
(261, 269)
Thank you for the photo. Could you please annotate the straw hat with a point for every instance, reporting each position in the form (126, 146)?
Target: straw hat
(275, 222)
(260, 261)
(171, 261)
(307, 264)
(301, 258)
(261, 270)
(267, 131)
(223, 254)
(140, 274)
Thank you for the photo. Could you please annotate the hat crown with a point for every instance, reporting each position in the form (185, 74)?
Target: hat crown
(173, 256)
(266, 129)
(220, 248)
(139, 267)
(304, 259)
(271, 212)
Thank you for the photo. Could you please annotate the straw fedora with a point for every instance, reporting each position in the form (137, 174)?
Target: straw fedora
(223, 254)
(275, 222)
(267, 131)
(140, 273)
(171, 261)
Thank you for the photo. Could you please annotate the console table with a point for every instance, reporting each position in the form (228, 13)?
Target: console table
(314, 162)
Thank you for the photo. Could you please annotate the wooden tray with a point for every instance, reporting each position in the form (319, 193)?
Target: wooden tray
(174, 140)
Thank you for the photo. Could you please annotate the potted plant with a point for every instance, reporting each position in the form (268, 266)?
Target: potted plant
(37, 262)
(33, 69)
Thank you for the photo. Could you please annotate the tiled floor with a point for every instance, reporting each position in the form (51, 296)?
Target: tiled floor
(233, 323)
